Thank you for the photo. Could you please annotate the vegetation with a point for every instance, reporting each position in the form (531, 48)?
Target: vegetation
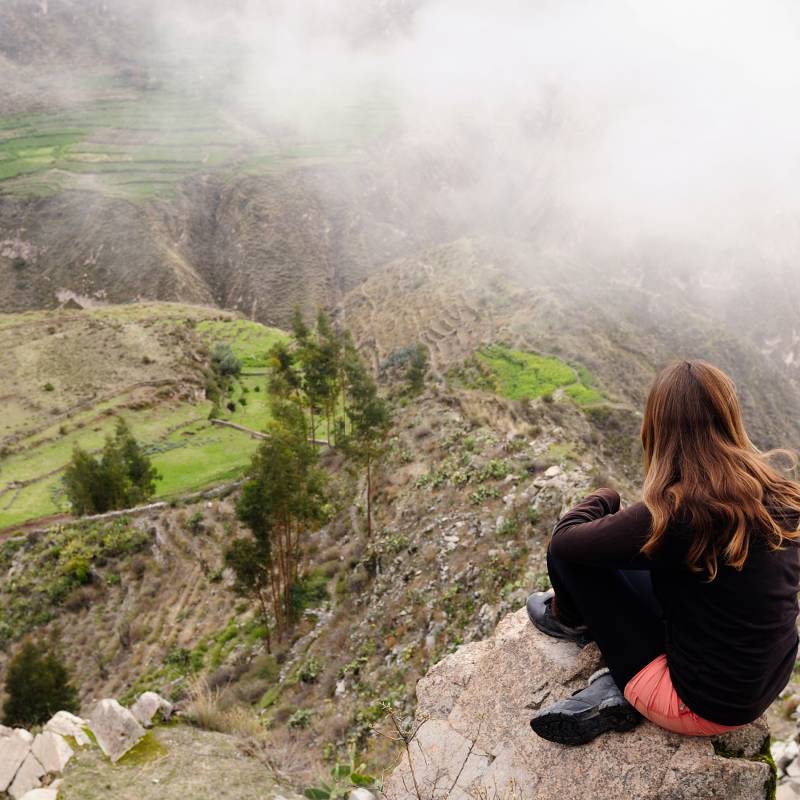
(417, 369)
(344, 778)
(121, 478)
(170, 423)
(520, 375)
(149, 142)
(37, 685)
(282, 498)
(326, 376)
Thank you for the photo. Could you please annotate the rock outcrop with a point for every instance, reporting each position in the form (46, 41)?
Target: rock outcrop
(25, 761)
(115, 728)
(473, 737)
(151, 706)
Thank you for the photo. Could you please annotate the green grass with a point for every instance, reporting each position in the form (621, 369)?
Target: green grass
(250, 341)
(188, 450)
(520, 375)
(147, 144)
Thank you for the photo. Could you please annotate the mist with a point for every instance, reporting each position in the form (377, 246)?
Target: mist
(628, 121)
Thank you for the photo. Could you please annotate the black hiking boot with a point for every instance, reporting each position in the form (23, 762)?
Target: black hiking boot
(539, 610)
(598, 708)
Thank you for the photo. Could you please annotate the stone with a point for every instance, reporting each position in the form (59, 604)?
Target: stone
(67, 724)
(115, 728)
(552, 472)
(788, 790)
(4, 731)
(784, 753)
(361, 794)
(52, 751)
(44, 793)
(148, 706)
(29, 776)
(14, 750)
(473, 715)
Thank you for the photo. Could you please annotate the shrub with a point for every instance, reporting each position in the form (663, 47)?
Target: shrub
(300, 719)
(205, 712)
(37, 685)
(123, 477)
(224, 361)
(195, 524)
(48, 387)
(310, 671)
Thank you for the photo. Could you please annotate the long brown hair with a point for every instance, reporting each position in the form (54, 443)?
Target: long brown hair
(701, 465)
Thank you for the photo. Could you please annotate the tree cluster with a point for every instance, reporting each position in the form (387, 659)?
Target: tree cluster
(319, 381)
(37, 685)
(282, 498)
(122, 477)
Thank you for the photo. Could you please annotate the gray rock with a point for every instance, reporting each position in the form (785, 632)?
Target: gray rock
(66, 724)
(474, 711)
(44, 793)
(148, 706)
(14, 750)
(29, 776)
(361, 794)
(784, 753)
(52, 751)
(788, 790)
(115, 729)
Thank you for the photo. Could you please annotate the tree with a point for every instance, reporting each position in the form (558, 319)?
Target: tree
(329, 356)
(370, 422)
(282, 497)
(417, 369)
(123, 477)
(37, 686)
(285, 380)
(224, 362)
(250, 559)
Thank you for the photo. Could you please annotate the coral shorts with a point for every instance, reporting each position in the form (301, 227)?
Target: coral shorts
(651, 693)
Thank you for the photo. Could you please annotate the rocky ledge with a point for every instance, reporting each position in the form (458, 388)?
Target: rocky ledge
(473, 738)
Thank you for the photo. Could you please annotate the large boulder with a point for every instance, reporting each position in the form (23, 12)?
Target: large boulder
(115, 728)
(473, 737)
(51, 751)
(29, 776)
(14, 749)
(66, 724)
(149, 706)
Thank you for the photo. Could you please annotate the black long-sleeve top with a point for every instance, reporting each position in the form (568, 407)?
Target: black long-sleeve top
(731, 643)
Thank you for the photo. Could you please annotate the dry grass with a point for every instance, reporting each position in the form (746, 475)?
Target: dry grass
(207, 712)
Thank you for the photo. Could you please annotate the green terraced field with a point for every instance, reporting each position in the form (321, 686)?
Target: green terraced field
(149, 143)
(520, 375)
(189, 451)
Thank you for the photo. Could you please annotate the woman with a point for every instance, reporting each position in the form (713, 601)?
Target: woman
(690, 595)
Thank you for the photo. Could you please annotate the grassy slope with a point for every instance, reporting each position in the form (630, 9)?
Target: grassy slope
(189, 452)
(146, 142)
(526, 376)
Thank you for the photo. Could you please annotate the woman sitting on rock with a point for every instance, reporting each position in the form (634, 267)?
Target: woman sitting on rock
(690, 595)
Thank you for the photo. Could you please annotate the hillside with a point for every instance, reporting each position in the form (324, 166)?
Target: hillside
(474, 292)
(70, 374)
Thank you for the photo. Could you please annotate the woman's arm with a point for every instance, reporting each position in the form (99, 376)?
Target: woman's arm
(596, 533)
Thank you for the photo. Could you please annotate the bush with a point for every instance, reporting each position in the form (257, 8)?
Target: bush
(123, 476)
(48, 387)
(300, 719)
(224, 361)
(37, 685)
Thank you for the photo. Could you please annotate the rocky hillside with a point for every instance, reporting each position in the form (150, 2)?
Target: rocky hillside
(460, 296)
(471, 734)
